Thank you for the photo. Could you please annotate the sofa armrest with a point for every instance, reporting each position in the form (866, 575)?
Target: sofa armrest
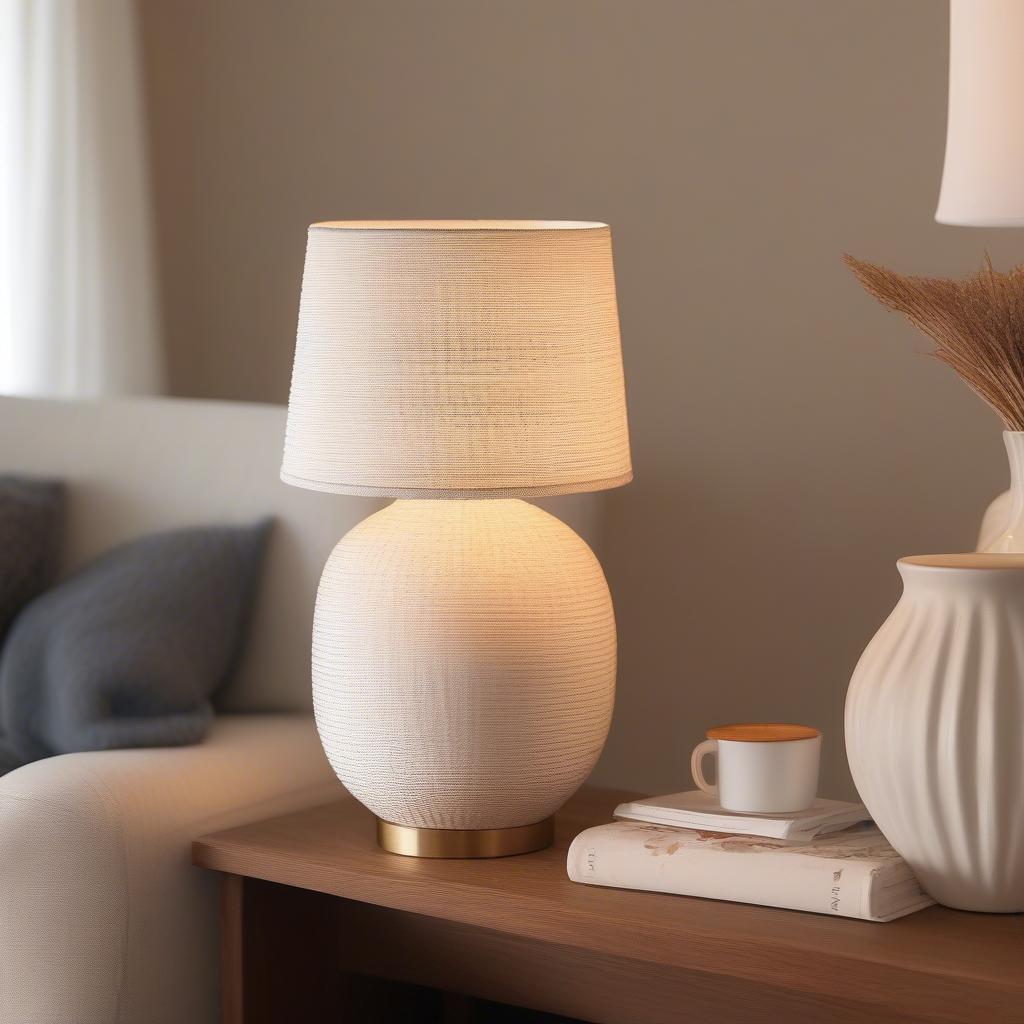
(103, 919)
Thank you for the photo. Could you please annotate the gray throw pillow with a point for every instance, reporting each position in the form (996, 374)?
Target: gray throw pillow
(30, 519)
(129, 651)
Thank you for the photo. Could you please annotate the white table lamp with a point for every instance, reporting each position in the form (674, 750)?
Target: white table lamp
(464, 640)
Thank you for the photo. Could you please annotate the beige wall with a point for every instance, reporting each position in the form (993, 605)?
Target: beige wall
(790, 439)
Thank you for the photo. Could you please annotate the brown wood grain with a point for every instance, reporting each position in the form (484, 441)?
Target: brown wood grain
(564, 979)
(231, 943)
(937, 965)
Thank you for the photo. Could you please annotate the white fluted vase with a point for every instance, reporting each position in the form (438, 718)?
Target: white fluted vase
(1002, 530)
(934, 719)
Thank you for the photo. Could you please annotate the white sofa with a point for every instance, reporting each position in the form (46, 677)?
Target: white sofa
(102, 918)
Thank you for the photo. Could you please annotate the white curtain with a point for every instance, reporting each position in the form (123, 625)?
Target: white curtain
(78, 309)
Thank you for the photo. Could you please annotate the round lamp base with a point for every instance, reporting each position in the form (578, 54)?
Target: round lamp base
(458, 842)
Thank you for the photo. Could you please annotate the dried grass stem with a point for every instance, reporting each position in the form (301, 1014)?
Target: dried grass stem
(977, 325)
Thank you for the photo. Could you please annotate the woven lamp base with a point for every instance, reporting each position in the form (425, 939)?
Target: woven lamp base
(463, 672)
(464, 842)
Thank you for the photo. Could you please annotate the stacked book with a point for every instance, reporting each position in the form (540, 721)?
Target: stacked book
(828, 859)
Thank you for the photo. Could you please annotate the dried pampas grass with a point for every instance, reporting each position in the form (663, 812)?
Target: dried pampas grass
(977, 325)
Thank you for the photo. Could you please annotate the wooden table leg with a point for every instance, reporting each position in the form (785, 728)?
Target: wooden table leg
(278, 962)
(289, 955)
(232, 949)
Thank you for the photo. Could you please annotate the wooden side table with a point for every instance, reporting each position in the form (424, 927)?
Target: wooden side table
(311, 905)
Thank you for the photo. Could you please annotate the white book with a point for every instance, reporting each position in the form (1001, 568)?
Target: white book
(855, 873)
(698, 810)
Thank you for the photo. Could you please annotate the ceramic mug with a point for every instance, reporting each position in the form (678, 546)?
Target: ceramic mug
(762, 769)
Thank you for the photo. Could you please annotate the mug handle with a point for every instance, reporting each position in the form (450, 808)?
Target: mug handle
(697, 762)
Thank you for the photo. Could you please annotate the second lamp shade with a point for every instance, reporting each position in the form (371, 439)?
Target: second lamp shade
(982, 179)
(457, 359)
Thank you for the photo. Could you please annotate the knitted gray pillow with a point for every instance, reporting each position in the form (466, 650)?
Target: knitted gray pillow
(129, 651)
(30, 518)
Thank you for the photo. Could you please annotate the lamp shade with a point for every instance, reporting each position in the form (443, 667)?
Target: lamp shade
(457, 359)
(983, 176)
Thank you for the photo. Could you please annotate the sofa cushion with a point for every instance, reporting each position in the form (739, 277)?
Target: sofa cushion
(129, 651)
(30, 517)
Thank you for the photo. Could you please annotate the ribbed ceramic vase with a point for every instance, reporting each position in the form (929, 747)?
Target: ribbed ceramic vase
(1003, 528)
(935, 728)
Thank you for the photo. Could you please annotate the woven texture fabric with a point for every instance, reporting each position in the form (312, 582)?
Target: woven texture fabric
(463, 663)
(457, 359)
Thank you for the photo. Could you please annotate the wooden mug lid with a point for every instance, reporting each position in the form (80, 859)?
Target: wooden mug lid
(762, 732)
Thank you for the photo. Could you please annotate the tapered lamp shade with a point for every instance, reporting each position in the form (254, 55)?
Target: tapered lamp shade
(983, 176)
(457, 359)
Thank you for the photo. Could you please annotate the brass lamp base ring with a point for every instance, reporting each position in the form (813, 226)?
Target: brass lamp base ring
(459, 842)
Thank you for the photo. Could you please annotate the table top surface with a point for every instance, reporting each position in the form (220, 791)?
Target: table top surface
(926, 962)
